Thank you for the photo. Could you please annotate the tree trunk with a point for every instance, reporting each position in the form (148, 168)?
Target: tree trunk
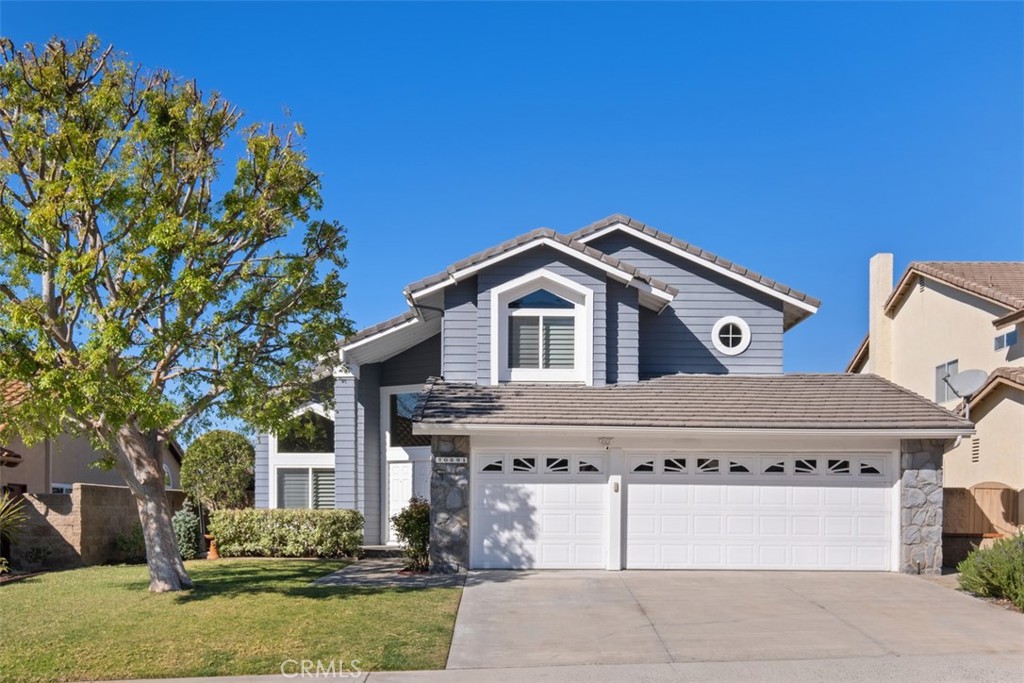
(139, 460)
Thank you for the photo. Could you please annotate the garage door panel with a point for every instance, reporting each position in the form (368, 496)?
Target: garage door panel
(828, 518)
(552, 521)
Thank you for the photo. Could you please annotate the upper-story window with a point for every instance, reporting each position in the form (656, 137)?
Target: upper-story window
(542, 327)
(541, 332)
(731, 335)
(944, 392)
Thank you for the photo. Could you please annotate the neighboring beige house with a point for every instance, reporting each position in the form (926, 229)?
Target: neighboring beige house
(55, 465)
(943, 318)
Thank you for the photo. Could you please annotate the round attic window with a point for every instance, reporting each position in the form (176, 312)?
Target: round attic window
(731, 335)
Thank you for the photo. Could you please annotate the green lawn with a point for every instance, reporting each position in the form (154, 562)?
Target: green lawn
(245, 617)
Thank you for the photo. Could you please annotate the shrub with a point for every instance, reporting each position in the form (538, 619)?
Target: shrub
(287, 533)
(217, 469)
(997, 571)
(12, 516)
(412, 525)
(186, 532)
(131, 546)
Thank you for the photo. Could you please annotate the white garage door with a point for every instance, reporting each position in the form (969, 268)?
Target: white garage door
(538, 511)
(759, 512)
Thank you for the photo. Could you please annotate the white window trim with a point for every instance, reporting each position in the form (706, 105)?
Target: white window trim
(580, 295)
(309, 482)
(744, 328)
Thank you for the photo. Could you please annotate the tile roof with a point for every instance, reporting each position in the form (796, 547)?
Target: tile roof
(388, 324)
(999, 281)
(696, 251)
(533, 236)
(796, 401)
(12, 391)
(1013, 376)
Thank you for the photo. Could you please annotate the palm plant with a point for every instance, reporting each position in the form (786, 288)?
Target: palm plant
(12, 516)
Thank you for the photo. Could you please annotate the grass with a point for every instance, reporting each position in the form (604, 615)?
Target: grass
(244, 617)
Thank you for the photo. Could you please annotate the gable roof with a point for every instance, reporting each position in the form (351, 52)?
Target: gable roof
(540, 237)
(1001, 282)
(1008, 376)
(816, 402)
(803, 303)
(860, 356)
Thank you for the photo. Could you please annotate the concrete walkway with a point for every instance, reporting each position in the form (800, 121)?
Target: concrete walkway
(386, 572)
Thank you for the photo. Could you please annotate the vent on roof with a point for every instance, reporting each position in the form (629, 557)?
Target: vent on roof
(920, 284)
(975, 449)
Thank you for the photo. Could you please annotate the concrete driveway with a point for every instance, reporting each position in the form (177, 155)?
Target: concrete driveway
(561, 618)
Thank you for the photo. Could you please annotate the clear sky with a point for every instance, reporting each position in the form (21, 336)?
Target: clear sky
(796, 139)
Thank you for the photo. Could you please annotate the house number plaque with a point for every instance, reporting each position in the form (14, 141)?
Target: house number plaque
(451, 460)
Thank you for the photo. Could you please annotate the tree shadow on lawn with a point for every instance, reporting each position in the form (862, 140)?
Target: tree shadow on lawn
(276, 577)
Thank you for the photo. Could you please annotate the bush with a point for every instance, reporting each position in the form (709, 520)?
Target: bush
(131, 546)
(287, 533)
(996, 572)
(412, 525)
(217, 469)
(186, 532)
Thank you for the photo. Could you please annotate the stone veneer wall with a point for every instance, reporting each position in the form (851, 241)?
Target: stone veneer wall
(921, 506)
(449, 505)
(71, 530)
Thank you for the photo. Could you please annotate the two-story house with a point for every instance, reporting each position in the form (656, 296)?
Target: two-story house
(615, 398)
(940, 319)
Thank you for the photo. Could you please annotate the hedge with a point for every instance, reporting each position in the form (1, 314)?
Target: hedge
(287, 533)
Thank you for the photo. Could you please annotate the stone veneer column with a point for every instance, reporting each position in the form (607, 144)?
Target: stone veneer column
(921, 506)
(449, 505)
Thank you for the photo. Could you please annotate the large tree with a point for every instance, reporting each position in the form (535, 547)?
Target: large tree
(144, 284)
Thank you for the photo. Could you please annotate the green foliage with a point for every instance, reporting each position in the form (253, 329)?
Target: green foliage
(186, 532)
(217, 469)
(12, 516)
(412, 525)
(997, 571)
(131, 546)
(287, 532)
(176, 282)
(5, 566)
(38, 554)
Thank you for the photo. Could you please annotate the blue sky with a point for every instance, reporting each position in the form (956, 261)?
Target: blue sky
(796, 139)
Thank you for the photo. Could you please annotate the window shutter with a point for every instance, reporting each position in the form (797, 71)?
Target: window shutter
(293, 488)
(323, 489)
(524, 342)
(559, 342)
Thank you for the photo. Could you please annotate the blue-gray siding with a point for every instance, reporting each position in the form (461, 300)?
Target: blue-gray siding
(679, 340)
(623, 333)
(346, 470)
(368, 397)
(262, 470)
(459, 332)
(414, 365)
(517, 266)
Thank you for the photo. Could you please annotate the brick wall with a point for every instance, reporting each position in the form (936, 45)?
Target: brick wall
(71, 530)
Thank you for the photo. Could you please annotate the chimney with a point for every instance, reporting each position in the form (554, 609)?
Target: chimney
(879, 324)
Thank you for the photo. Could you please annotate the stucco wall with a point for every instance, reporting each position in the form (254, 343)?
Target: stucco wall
(1000, 423)
(940, 324)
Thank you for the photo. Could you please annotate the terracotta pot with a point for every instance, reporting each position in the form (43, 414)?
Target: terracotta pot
(212, 554)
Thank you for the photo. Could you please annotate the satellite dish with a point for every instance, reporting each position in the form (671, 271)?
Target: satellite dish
(965, 384)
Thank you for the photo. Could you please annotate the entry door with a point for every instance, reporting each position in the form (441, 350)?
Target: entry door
(539, 511)
(831, 511)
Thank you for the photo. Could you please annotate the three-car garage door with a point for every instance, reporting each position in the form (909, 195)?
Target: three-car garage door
(682, 511)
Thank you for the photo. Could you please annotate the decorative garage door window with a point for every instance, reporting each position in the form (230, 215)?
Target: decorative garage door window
(555, 465)
(833, 467)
